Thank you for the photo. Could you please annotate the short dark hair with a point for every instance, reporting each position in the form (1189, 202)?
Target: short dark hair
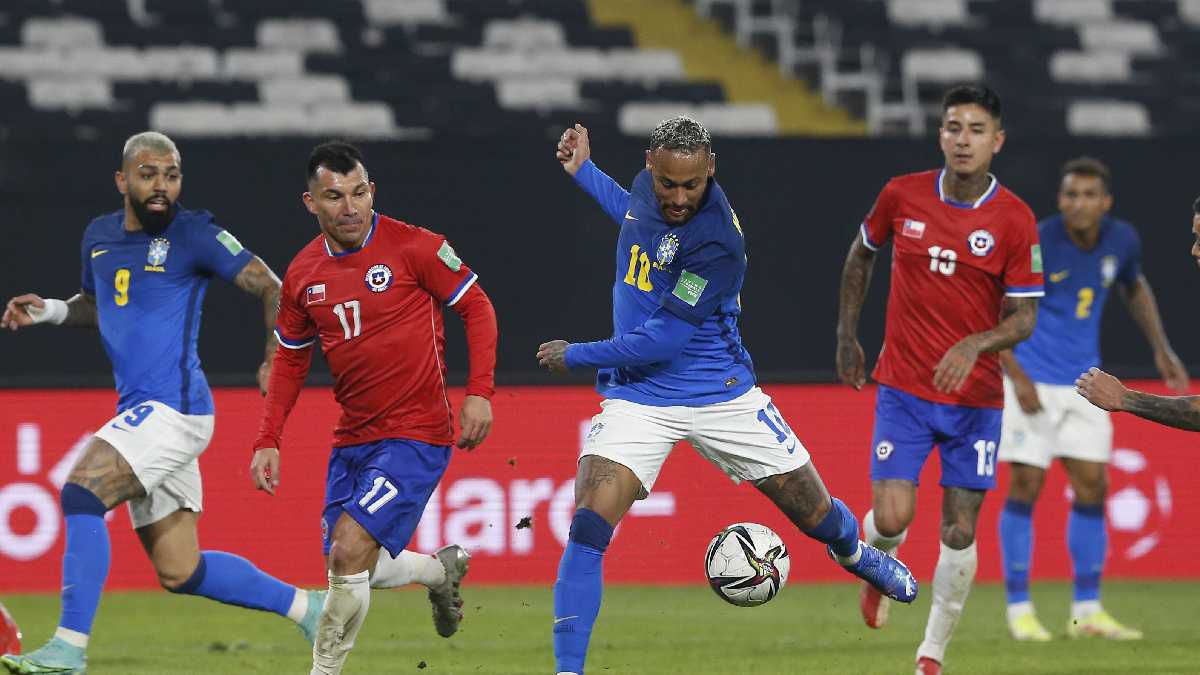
(680, 134)
(336, 156)
(1089, 166)
(979, 94)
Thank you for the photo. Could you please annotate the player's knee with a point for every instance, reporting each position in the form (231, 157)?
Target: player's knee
(178, 579)
(892, 523)
(349, 557)
(957, 535)
(1091, 493)
(1025, 486)
(590, 529)
(77, 500)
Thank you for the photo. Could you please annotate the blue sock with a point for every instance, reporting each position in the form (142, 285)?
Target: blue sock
(839, 529)
(1087, 540)
(86, 558)
(233, 580)
(1016, 548)
(578, 589)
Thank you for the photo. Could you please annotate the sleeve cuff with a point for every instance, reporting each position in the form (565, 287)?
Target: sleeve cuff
(293, 344)
(585, 170)
(867, 240)
(1024, 291)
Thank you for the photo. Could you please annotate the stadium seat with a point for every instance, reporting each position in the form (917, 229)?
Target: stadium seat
(73, 93)
(254, 64)
(62, 32)
(932, 13)
(725, 119)
(1070, 66)
(1108, 118)
(304, 90)
(943, 66)
(540, 94)
(392, 12)
(1189, 11)
(306, 35)
(1072, 11)
(524, 34)
(1134, 37)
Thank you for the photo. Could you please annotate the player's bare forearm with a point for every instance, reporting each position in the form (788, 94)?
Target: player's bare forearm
(81, 310)
(1181, 412)
(856, 279)
(1011, 366)
(1142, 306)
(258, 280)
(1017, 319)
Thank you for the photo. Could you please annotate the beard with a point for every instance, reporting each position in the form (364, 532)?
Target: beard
(153, 222)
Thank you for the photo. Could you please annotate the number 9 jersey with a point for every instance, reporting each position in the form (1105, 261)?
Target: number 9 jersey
(952, 265)
(377, 312)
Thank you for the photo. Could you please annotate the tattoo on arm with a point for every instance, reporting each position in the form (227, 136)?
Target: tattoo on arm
(856, 279)
(1181, 412)
(1144, 309)
(1017, 318)
(258, 279)
(81, 310)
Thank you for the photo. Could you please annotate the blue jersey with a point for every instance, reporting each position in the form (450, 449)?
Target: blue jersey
(1066, 340)
(692, 271)
(148, 291)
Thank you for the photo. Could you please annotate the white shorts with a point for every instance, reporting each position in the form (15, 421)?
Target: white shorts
(747, 437)
(1067, 426)
(162, 445)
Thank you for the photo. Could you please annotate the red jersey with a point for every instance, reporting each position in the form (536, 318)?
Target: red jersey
(377, 311)
(952, 265)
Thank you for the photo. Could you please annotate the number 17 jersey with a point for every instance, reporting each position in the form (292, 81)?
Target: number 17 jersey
(952, 265)
(377, 312)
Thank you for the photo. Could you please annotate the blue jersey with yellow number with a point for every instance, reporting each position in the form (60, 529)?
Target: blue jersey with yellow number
(1066, 339)
(149, 290)
(695, 271)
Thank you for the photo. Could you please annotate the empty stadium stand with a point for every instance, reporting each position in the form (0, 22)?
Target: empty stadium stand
(1088, 67)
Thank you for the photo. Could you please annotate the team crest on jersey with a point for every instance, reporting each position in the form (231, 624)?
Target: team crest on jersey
(379, 278)
(981, 242)
(1108, 269)
(884, 450)
(667, 249)
(158, 252)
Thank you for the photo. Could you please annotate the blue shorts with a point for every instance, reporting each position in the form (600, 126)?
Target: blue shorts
(907, 428)
(384, 487)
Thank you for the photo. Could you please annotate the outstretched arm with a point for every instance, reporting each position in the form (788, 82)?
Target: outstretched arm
(28, 309)
(660, 338)
(290, 367)
(856, 279)
(574, 152)
(1107, 392)
(258, 280)
(479, 319)
(1139, 297)
(1017, 318)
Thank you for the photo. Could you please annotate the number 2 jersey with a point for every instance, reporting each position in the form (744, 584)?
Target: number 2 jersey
(149, 290)
(377, 312)
(952, 265)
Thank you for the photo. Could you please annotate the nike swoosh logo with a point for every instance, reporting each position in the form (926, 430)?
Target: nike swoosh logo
(573, 616)
(114, 425)
(99, 252)
(1059, 276)
(792, 449)
(628, 216)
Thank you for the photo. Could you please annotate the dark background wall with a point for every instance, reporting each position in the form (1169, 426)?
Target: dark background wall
(544, 252)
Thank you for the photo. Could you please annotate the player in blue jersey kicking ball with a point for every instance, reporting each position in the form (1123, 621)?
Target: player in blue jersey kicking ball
(145, 270)
(1085, 253)
(676, 370)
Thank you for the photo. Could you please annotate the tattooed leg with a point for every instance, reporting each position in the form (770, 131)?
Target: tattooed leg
(102, 471)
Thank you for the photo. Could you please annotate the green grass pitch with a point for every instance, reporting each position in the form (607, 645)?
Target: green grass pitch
(807, 629)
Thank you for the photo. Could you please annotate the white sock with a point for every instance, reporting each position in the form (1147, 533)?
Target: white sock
(1017, 610)
(848, 560)
(344, 613)
(952, 580)
(1082, 609)
(299, 606)
(72, 637)
(871, 534)
(407, 568)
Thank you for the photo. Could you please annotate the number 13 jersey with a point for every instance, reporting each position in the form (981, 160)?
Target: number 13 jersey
(952, 265)
(377, 311)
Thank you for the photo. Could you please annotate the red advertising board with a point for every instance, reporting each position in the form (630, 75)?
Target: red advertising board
(525, 469)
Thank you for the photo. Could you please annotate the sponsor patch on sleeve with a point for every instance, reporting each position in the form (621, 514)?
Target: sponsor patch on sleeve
(1035, 258)
(690, 288)
(230, 242)
(448, 256)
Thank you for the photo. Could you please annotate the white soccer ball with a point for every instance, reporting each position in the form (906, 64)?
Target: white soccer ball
(746, 564)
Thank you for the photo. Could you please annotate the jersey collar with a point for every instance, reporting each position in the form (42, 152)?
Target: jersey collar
(983, 199)
(367, 240)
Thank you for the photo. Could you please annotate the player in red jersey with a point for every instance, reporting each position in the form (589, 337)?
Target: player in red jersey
(966, 275)
(372, 289)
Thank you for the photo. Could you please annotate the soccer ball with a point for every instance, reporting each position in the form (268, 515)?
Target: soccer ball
(746, 564)
(10, 635)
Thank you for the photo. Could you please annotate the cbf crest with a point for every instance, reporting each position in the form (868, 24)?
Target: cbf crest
(981, 242)
(1108, 269)
(379, 278)
(158, 252)
(667, 249)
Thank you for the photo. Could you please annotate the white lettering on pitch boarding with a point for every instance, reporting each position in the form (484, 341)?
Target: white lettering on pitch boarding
(481, 513)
